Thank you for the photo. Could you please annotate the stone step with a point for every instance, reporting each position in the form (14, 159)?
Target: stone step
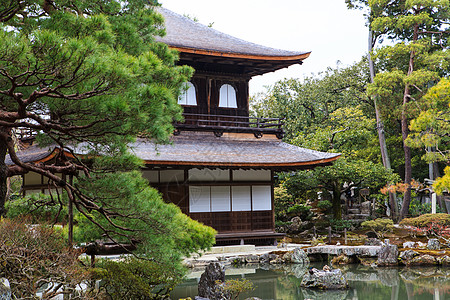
(354, 211)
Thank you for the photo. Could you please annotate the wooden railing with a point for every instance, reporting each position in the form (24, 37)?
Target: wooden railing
(223, 123)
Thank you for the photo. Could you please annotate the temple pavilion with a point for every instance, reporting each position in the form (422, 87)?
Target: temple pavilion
(221, 163)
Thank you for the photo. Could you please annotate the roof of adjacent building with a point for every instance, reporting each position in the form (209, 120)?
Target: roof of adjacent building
(204, 149)
(195, 41)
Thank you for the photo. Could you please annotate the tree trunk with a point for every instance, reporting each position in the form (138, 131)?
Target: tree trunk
(380, 128)
(3, 176)
(408, 167)
(337, 211)
(405, 132)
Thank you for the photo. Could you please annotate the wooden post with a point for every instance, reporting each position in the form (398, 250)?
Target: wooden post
(433, 203)
(329, 234)
(345, 236)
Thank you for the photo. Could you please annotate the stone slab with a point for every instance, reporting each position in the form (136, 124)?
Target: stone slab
(363, 251)
(231, 249)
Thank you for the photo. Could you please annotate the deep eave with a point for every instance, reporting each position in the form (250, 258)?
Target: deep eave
(292, 58)
(225, 165)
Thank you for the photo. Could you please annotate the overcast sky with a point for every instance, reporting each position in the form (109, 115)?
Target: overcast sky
(326, 27)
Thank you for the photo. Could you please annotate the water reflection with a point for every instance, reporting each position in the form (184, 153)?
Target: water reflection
(283, 283)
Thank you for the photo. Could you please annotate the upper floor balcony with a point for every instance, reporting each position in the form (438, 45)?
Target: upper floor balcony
(236, 124)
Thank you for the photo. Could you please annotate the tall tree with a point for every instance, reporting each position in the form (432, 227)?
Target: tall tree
(90, 73)
(330, 112)
(418, 28)
(431, 129)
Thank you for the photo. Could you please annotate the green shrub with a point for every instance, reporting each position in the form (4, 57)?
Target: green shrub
(427, 219)
(324, 205)
(379, 226)
(132, 278)
(282, 201)
(38, 208)
(281, 223)
(300, 210)
(33, 256)
(416, 208)
(340, 225)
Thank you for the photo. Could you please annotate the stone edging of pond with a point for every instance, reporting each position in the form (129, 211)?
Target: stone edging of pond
(384, 255)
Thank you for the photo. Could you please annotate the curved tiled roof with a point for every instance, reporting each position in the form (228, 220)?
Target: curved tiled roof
(193, 37)
(205, 149)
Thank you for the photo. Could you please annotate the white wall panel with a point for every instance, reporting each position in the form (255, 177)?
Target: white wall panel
(241, 200)
(262, 197)
(220, 198)
(199, 199)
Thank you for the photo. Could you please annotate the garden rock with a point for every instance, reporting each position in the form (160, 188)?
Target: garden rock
(373, 242)
(287, 257)
(420, 245)
(344, 260)
(296, 225)
(388, 255)
(409, 245)
(407, 255)
(208, 287)
(423, 260)
(252, 259)
(324, 280)
(445, 260)
(267, 257)
(299, 256)
(433, 244)
(5, 290)
(365, 207)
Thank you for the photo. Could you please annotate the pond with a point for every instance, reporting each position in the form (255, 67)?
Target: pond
(283, 283)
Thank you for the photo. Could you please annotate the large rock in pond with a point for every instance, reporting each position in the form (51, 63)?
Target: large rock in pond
(423, 260)
(433, 244)
(444, 261)
(333, 279)
(408, 255)
(388, 255)
(299, 256)
(209, 285)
